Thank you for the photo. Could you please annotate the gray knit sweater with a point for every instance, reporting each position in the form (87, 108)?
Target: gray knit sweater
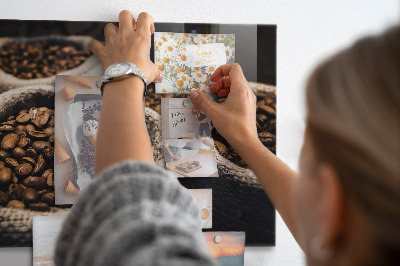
(134, 213)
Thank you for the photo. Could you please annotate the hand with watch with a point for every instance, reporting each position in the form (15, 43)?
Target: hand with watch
(126, 52)
(121, 71)
(127, 67)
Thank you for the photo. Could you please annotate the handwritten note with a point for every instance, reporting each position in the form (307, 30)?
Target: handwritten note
(180, 121)
(177, 118)
(205, 55)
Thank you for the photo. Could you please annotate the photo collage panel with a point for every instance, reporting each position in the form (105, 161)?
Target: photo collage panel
(50, 108)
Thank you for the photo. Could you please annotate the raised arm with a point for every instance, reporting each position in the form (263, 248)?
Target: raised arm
(122, 131)
(235, 120)
(134, 213)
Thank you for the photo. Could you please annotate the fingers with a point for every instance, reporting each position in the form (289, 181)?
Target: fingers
(203, 102)
(110, 31)
(234, 71)
(223, 92)
(126, 22)
(97, 49)
(225, 82)
(145, 24)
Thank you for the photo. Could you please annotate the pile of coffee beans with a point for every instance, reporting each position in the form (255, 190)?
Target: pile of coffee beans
(266, 122)
(40, 59)
(26, 160)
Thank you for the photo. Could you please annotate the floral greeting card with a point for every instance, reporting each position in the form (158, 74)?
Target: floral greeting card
(188, 60)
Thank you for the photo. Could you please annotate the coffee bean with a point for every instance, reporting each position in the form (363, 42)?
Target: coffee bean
(40, 165)
(41, 207)
(15, 191)
(19, 129)
(30, 195)
(23, 118)
(49, 198)
(35, 182)
(36, 123)
(23, 169)
(20, 134)
(51, 139)
(11, 117)
(29, 128)
(43, 119)
(29, 160)
(4, 198)
(33, 112)
(49, 131)
(11, 162)
(18, 153)
(266, 135)
(32, 152)
(5, 176)
(15, 178)
(6, 128)
(222, 149)
(268, 139)
(23, 111)
(262, 118)
(51, 121)
(12, 123)
(48, 153)
(42, 192)
(2, 165)
(267, 110)
(16, 204)
(4, 155)
(9, 142)
(271, 125)
(23, 142)
(43, 109)
(40, 145)
(49, 176)
(39, 135)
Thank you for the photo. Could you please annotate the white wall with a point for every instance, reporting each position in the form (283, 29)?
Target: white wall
(307, 31)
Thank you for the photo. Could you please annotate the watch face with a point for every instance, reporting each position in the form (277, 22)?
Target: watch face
(118, 69)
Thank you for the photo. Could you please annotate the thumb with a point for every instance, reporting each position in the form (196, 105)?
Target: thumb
(203, 102)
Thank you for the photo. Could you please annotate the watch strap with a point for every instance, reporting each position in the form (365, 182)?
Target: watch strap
(135, 71)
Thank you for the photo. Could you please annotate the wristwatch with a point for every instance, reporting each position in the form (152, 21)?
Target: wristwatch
(121, 71)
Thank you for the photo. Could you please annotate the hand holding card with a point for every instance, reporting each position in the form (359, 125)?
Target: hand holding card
(235, 120)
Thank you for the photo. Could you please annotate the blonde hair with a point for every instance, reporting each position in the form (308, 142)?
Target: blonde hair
(353, 118)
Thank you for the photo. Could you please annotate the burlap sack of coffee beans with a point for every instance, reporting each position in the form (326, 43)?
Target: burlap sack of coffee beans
(26, 162)
(31, 61)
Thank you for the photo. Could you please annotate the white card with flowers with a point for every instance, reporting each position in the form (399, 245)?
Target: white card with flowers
(188, 60)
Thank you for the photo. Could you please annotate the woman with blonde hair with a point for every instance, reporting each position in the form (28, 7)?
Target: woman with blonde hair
(343, 208)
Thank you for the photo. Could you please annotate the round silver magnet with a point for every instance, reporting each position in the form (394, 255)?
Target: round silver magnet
(187, 102)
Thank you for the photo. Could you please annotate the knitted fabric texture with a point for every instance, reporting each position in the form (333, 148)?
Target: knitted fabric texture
(134, 213)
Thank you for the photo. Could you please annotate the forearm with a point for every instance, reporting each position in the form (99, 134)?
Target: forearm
(274, 175)
(122, 131)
